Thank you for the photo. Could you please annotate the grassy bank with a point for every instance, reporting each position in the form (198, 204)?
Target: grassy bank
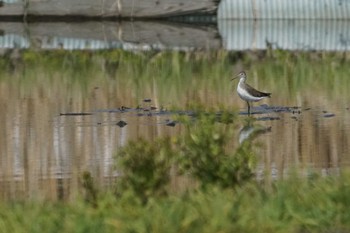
(312, 205)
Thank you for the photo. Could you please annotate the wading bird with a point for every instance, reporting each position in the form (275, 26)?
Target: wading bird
(248, 93)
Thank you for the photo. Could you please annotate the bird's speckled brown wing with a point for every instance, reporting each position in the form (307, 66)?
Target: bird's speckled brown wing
(255, 92)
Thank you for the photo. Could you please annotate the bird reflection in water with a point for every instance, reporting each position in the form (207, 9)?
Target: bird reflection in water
(250, 131)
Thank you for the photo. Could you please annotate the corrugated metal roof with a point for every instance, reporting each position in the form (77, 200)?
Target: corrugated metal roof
(329, 35)
(284, 9)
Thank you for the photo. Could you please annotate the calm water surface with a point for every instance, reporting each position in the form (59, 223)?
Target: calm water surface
(62, 112)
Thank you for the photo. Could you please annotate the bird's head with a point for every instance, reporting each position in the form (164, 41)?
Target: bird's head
(240, 75)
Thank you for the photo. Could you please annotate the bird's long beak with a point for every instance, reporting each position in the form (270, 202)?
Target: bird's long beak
(234, 77)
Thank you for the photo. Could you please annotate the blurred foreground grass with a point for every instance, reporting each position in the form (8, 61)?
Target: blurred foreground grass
(293, 205)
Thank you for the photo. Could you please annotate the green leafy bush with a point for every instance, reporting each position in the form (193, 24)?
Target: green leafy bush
(145, 167)
(201, 153)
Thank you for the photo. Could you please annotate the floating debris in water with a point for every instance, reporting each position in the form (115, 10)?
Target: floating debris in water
(121, 124)
(147, 100)
(149, 109)
(170, 123)
(268, 118)
(296, 112)
(264, 108)
(123, 108)
(76, 114)
(327, 115)
(307, 109)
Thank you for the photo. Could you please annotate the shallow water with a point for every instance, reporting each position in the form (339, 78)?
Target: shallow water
(66, 113)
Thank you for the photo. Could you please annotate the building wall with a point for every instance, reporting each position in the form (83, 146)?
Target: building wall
(284, 9)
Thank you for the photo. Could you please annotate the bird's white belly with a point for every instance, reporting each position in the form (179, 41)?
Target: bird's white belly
(246, 96)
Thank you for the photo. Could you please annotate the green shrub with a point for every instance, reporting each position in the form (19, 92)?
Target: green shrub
(204, 154)
(201, 153)
(145, 167)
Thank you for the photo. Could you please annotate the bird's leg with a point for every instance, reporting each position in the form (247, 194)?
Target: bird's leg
(248, 108)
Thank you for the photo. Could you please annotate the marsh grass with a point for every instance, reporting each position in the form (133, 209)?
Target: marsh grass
(173, 78)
